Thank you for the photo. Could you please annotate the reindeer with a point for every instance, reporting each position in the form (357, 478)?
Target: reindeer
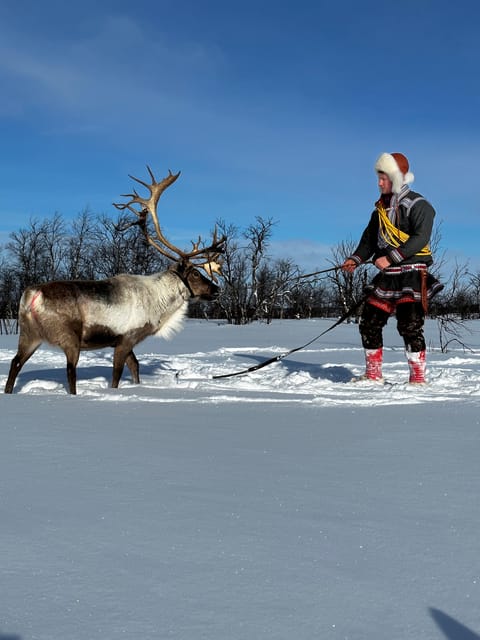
(121, 311)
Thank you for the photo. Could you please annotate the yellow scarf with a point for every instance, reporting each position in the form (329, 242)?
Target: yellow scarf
(393, 236)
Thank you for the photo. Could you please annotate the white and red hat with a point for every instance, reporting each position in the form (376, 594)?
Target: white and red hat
(396, 166)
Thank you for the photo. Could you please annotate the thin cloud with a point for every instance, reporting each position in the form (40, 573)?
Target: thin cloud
(118, 67)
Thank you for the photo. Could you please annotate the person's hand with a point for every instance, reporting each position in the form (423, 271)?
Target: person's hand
(349, 265)
(382, 263)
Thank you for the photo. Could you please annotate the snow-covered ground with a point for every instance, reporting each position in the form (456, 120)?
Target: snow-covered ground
(288, 504)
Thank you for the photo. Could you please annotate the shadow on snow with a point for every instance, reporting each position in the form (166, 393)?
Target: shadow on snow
(452, 629)
(317, 371)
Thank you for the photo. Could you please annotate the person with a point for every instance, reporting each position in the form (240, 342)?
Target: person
(396, 239)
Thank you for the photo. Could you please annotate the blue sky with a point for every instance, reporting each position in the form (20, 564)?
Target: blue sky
(274, 109)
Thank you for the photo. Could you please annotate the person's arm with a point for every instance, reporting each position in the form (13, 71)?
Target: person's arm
(421, 223)
(366, 247)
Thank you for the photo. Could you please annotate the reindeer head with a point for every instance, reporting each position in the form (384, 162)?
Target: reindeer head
(186, 263)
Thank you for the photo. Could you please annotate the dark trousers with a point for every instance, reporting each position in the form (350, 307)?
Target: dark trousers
(410, 320)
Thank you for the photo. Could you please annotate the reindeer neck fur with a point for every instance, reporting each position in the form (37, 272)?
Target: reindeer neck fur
(165, 298)
(173, 309)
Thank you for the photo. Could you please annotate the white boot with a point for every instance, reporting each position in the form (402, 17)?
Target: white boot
(417, 363)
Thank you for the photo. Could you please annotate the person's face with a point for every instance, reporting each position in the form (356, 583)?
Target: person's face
(384, 183)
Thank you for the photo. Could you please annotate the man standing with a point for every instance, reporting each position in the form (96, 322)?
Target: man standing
(397, 240)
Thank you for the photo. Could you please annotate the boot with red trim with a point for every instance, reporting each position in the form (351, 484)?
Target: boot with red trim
(417, 363)
(373, 366)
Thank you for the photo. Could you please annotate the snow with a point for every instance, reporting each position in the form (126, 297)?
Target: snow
(285, 504)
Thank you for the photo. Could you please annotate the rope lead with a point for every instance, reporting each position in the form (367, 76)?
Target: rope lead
(260, 365)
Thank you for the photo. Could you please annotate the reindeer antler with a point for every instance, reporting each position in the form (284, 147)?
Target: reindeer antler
(201, 256)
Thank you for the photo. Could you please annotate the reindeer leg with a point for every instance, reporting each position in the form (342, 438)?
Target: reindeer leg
(72, 352)
(25, 351)
(132, 364)
(120, 354)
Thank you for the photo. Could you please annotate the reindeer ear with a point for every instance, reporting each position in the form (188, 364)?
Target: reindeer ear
(208, 269)
(212, 269)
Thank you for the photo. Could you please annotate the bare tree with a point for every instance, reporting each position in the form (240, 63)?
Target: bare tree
(309, 298)
(277, 288)
(349, 287)
(245, 269)
(28, 253)
(122, 248)
(80, 245)
(53, 238)
(8, 296)
(474, 286)
(451, 306)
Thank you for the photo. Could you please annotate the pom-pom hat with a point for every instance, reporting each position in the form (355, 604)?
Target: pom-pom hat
(396, 166)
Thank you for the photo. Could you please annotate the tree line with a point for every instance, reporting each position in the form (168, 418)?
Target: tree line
(255, 286)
